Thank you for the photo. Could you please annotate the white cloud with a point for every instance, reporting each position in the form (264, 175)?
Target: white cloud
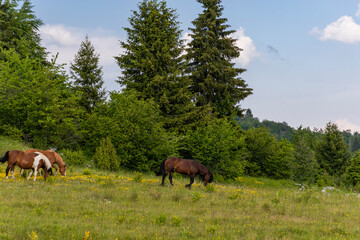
(344, 124)
(246, 43)
(186, 38)
(345, 30)
(66, 41)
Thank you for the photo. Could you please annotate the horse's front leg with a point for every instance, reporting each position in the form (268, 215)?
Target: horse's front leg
(191, 182)
(46, 174)
(13, 172)
(35, 173)
(56, 169)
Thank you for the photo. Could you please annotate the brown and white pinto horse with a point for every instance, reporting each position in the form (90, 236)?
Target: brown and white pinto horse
(33, 161)
(184, 166)
(53, 157)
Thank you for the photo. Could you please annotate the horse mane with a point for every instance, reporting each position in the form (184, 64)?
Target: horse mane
(58, 159)
(46, 160)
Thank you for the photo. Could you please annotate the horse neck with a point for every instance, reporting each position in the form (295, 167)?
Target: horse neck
(203, 169)
(59, 161)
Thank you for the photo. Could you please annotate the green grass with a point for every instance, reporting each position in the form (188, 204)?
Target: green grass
(93, 204)
(109, 206)
(7, 144)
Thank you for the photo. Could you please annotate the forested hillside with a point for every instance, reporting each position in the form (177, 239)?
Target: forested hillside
(176, 100)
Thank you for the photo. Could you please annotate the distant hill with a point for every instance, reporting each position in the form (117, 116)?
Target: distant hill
(279, 130)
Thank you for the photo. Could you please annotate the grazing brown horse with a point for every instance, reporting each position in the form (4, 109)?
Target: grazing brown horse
(184, 166)
(33, 161)
(53, 157)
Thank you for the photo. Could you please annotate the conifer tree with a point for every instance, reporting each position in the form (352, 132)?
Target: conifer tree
(153, 64)
(19, 29)
(332, 152)
(87, 75)
(215, 78)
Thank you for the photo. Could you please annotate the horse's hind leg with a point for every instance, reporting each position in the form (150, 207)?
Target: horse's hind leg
(163, 179)
(35, 173)
(170, 177)
(13, 172)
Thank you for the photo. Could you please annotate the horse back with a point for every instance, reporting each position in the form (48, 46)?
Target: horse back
(182, 166)
(48, 153)
(14, 156)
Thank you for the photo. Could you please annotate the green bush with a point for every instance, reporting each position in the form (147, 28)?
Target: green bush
(220, 146)
(73, 157)
(136, 130)
(105, 156)
(353, 171)
(267, 156)
(304, 167)
(12, 132)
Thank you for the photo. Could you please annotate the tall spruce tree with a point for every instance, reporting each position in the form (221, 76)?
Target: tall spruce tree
(153, 64)
(19, 29)
(332, 152)
(215, 78)
(87, 75)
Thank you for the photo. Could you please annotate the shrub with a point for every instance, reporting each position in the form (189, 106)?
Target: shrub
(220, 146)
(12, 132)
(87, 171)
(305, 167)
(138, 177)
(267, 156)
(136, 130)
(73, 157)
(353, 171)
(105, 156)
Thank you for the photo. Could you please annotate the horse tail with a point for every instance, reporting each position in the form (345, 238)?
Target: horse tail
(162, 169)
(5, 157)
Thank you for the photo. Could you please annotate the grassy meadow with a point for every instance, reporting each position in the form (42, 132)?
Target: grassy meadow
(93, 204)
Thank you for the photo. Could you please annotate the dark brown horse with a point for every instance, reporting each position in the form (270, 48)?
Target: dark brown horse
(33, 161)
(53, 157)
(184, 166)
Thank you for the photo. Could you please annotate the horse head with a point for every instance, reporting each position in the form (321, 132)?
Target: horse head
(208, 178)
(62, 169)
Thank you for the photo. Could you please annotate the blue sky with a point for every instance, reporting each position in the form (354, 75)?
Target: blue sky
(302, 56)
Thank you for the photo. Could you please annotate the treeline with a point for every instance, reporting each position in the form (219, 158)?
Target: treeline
(325, 156)
(176, 100)
(281, 130)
